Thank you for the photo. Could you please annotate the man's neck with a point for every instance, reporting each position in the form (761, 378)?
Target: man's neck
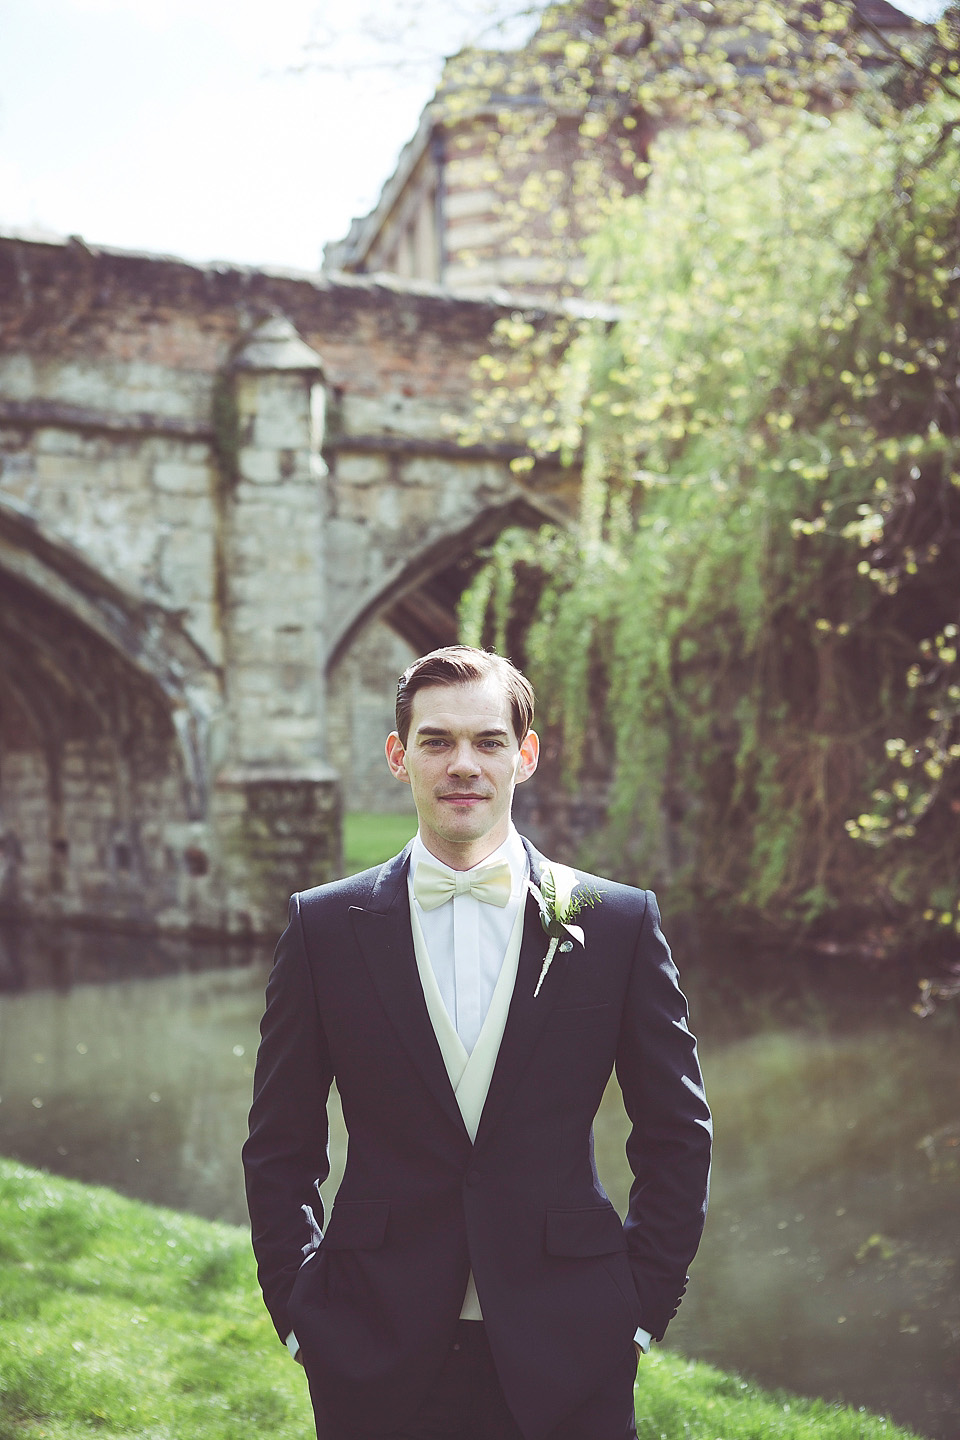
(463, 857)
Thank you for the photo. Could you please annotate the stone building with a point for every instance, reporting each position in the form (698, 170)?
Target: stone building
(459, 209)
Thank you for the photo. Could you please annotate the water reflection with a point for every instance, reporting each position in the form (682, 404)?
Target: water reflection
(38, 956)
(831, 1259)
(142, 1085)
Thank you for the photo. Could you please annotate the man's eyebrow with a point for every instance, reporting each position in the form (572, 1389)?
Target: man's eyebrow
(489, 732)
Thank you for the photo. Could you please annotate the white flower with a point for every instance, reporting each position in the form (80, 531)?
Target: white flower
(559, 903)
(561, 881)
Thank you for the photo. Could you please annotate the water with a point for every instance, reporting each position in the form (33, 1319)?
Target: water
(831, 1260)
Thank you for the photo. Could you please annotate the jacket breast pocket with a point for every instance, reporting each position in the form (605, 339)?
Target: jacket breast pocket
(357, 1225)
(588, 1230)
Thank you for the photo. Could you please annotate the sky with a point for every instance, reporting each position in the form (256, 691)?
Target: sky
(239, 130)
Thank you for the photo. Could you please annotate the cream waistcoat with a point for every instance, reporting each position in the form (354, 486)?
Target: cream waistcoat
(470, 1074)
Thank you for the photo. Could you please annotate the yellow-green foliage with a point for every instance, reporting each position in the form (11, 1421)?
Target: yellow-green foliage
(762, 595)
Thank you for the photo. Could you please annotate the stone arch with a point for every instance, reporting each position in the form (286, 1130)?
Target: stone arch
(142, 637)
(414, 611)
(104, 711)
(391, 600)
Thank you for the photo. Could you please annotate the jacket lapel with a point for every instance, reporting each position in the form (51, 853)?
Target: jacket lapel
(385, 939)
(527, 1016)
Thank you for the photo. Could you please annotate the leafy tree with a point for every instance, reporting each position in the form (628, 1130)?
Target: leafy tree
(758, 613)
(570, 115)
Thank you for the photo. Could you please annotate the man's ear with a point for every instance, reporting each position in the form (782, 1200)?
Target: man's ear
(529, 756)
(395, 754)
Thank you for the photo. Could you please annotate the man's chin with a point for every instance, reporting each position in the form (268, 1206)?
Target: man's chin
(462, 825)
(468, 828)
(473, 816)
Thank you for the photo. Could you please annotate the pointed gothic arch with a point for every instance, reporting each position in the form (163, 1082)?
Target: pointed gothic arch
(418, 600)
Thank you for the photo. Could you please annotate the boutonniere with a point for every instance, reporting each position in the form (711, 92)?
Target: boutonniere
(560, 898)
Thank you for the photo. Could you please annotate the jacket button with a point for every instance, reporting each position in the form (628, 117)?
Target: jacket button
(473, 1177)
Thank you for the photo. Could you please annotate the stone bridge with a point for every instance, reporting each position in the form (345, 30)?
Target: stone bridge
(217, 486)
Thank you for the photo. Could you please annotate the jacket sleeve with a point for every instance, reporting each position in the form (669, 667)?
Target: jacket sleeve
(285, 1157)
(668, 1147)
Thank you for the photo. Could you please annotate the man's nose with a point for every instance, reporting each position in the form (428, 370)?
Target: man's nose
(464, 760)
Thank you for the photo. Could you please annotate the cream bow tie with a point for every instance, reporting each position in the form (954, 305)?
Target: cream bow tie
(433, 884)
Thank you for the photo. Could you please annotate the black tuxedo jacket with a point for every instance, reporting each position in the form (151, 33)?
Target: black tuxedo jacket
(562, 1283)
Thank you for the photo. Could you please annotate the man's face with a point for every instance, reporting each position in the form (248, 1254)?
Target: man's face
(462, 761)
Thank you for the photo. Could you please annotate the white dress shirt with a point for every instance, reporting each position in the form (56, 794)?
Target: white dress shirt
(467, 939)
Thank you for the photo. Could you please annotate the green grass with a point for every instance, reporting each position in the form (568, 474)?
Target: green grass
(369, 839)
(120, 1319)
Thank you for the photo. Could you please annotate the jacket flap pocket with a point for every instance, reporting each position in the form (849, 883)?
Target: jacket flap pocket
(594, 1230)
(357, 1225)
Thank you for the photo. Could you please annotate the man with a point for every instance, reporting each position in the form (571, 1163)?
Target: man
(473, 1282)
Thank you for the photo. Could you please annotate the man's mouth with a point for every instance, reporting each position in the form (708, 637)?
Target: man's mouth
(463, 797)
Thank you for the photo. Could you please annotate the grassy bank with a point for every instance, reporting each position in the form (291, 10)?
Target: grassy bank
(119, 1319)
(369, 839)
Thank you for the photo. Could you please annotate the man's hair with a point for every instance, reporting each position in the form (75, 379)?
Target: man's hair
(462, 665)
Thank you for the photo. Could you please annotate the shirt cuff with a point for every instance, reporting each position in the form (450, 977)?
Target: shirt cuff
(292, 1345)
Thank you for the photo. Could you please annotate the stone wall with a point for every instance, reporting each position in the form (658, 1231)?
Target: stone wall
(214, 483)
(360, 716)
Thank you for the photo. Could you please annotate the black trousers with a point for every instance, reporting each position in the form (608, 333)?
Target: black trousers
(467, 1402)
